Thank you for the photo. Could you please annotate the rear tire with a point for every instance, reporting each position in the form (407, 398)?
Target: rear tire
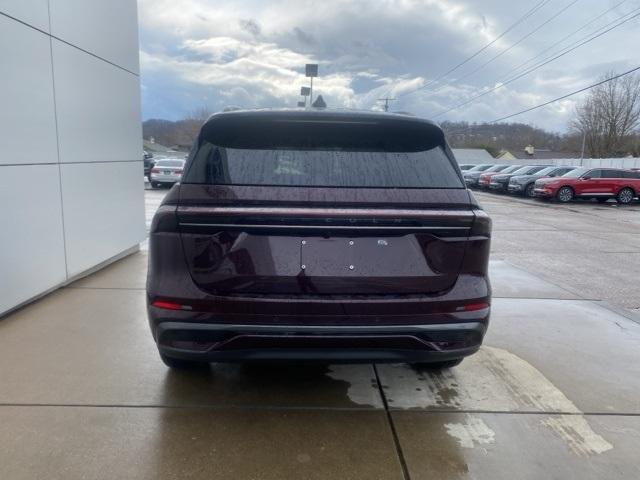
(565, 194)
(625, 196)
(180, 364)
(435, 366)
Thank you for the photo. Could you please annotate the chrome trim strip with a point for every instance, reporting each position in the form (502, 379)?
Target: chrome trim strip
(370, 329)
(316, 227)
(323, 212)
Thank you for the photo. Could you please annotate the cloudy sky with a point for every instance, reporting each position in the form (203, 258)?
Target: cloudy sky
(251, 53)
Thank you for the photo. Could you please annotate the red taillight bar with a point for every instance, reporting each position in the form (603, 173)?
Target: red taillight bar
(472, 307)
(170, 305)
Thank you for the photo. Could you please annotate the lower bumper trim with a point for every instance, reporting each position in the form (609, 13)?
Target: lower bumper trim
(349, 344)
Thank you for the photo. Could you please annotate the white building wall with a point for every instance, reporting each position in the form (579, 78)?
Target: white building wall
(71, 184)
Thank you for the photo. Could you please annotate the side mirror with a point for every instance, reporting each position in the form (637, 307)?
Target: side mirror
(585, 178)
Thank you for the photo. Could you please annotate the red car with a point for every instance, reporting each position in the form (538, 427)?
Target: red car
(600, 183)
(485, 178)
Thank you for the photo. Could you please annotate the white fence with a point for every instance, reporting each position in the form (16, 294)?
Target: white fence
(587, 162)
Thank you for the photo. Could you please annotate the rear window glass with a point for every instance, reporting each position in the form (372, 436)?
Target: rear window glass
(512, 169)
(170, 163)
(317, 151)
(479, 168)
(496, 168)
(323, 168)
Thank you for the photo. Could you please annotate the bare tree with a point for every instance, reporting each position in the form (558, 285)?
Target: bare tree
(609, 115)
(201, 113)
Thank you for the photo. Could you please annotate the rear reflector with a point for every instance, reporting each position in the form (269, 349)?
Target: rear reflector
(472, 307)
(169, 305)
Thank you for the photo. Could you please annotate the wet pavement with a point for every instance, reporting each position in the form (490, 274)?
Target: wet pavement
(589, 248)
(554, 393)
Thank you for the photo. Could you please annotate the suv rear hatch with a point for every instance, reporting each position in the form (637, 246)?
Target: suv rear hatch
(311, 203)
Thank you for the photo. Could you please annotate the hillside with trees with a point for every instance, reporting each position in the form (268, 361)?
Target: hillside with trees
(507, 136)
(608, 119)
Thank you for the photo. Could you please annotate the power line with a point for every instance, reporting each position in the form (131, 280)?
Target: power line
(558, 42)
(540, 54)
(533, 10)
(498, 55)
(578, 43)
(602, 82)
(628, 72)
(527, 72)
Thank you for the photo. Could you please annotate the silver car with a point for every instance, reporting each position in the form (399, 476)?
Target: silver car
(166, 172)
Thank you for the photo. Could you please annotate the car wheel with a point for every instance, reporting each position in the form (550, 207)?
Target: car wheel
(625, 196)
(438, 365)
(180, 364)
(528, 191)
(565, 194)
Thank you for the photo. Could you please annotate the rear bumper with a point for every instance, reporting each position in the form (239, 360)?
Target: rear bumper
(350, 344)
(164, 179)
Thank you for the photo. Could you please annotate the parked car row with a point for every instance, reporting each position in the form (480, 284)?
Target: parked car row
(562, 183)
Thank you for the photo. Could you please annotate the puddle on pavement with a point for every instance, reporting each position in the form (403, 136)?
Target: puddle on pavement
(274, 385)
(471, 432)
(493, 380)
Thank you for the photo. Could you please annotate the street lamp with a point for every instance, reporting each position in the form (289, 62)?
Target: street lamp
(311, 70)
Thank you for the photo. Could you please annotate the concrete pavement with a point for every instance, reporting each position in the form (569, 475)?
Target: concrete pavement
(554, 393)
(589, 248)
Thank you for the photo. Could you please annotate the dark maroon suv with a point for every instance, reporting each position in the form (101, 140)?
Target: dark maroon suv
(319, 235)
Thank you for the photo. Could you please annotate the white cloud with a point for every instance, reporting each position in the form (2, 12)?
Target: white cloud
(252, 53)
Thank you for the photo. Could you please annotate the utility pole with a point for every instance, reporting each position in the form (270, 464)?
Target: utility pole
(386, 101)
(584, 140)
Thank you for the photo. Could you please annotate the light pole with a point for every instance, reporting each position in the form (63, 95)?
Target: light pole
(311, 70)
(584, 140)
